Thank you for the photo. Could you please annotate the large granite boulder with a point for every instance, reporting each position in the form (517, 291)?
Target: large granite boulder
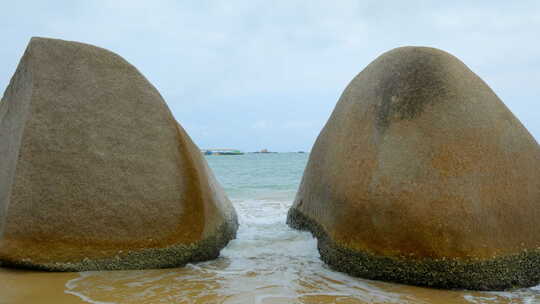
(96, 173)
(423, 176)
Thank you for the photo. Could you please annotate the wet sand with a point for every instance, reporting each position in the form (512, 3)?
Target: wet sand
(20, 286)
(194, 285)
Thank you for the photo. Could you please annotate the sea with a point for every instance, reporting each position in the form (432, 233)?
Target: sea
(267, 263)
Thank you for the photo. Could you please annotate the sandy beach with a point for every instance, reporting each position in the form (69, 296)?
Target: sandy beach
(21, 286)
(181, 286)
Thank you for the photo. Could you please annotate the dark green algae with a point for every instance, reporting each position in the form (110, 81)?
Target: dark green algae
(501, 273)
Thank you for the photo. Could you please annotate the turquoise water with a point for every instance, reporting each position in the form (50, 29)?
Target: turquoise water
(268, 262)
(259, 176)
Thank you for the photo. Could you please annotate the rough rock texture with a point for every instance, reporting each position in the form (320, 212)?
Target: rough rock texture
(423, 176)
(96, 173)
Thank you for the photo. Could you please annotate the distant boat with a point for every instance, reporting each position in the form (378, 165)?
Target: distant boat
(264, 151)
(222, 152)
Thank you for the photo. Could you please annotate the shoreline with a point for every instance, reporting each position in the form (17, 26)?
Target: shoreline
(25, 286)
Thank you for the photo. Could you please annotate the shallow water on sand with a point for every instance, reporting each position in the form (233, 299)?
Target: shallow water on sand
(267, 263)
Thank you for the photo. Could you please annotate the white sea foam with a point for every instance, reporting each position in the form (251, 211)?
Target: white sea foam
(71, 285)
(267, 260)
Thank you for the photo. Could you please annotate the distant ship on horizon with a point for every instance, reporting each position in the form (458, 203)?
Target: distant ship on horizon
(264, 151)
(221, 152)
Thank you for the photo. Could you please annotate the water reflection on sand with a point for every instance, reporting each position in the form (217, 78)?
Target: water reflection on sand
(217, 283)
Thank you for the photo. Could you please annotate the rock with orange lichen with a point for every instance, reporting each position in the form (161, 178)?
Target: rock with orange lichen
(423, 176)
(96, 173)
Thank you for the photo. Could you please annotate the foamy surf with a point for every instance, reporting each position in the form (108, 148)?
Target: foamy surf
(267, 263)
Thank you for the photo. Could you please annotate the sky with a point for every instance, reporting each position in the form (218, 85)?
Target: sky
(267, 74)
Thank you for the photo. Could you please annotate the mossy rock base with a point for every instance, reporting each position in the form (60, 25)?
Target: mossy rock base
(151, 258)
(509, 272)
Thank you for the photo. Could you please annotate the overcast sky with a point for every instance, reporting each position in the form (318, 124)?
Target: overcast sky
(267, 74)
